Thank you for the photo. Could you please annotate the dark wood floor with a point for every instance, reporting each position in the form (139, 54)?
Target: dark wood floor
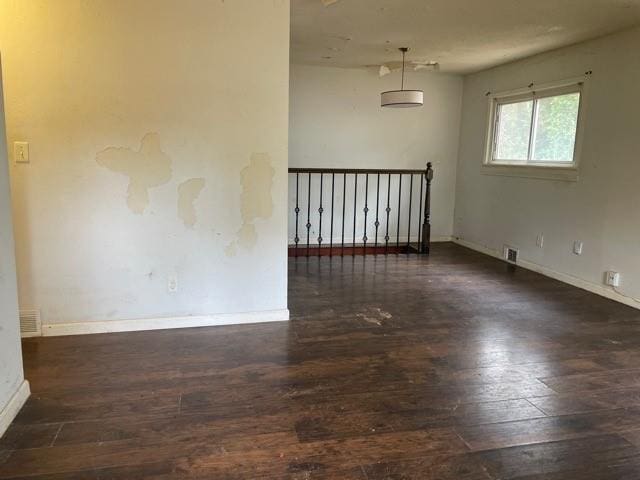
(456, 366)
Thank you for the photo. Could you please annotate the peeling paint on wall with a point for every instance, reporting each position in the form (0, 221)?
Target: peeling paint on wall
(188, 192)
(256, 201)
(146, 168)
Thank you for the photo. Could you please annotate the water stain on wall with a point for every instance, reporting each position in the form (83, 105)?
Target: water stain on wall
(256, 201)
(146, 168)
(188, 192)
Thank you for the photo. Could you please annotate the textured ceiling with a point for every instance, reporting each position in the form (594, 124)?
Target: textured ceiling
(461, 35)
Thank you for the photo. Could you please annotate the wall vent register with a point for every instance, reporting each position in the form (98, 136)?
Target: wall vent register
(510, 254)
(30, 323)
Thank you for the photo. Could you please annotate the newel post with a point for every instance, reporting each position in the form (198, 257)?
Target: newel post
(426, 225)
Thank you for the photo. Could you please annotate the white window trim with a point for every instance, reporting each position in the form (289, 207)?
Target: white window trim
(547, 170)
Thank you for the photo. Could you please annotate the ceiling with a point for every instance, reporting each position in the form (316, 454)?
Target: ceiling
(463, 36)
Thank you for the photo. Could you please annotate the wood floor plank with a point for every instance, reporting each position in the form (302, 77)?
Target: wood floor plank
(177, 428)
(582, 402)
(341, 421)
(437, 467)
(570, 456)
(345, 454)
(157, 471)
(541, 430)
(29, 436)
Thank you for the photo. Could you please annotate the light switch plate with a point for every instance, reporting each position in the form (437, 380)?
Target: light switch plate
(172, 283)
(21, 152)
(577, 248)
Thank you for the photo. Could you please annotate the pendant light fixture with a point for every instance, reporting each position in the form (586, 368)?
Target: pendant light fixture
(402, 98)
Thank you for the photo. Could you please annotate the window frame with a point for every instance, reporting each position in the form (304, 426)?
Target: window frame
(529, 168)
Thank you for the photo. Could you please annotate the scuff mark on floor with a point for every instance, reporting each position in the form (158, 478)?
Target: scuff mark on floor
(188, 192)
(256, 201)
(369, 319)
(374, 315)
(146, 168)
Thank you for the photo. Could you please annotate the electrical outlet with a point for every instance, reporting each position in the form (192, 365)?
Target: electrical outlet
(577, 248)
(540, 241)
(612, 278)
(172, 284)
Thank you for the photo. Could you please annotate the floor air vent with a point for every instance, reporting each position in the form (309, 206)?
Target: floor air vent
(510, 254)
(30, 324)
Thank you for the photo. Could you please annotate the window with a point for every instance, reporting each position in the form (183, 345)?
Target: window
(535, 128)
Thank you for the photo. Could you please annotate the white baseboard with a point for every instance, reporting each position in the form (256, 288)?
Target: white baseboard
(478, 248)
(441, 238)
(111, 326)
(12, 408)
(601, 290)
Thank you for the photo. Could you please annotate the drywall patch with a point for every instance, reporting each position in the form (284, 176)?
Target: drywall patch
(146, 168)
(256, 200)
(188, 192)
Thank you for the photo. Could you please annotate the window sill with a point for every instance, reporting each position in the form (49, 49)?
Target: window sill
(540, 172)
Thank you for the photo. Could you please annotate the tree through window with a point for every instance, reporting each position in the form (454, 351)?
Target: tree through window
(536, 128)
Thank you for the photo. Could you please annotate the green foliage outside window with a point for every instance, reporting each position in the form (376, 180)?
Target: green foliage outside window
(552, 138)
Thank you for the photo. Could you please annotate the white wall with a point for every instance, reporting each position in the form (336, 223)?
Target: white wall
(336, 121)
(601, 209)
(11, 376)
(158, 142)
